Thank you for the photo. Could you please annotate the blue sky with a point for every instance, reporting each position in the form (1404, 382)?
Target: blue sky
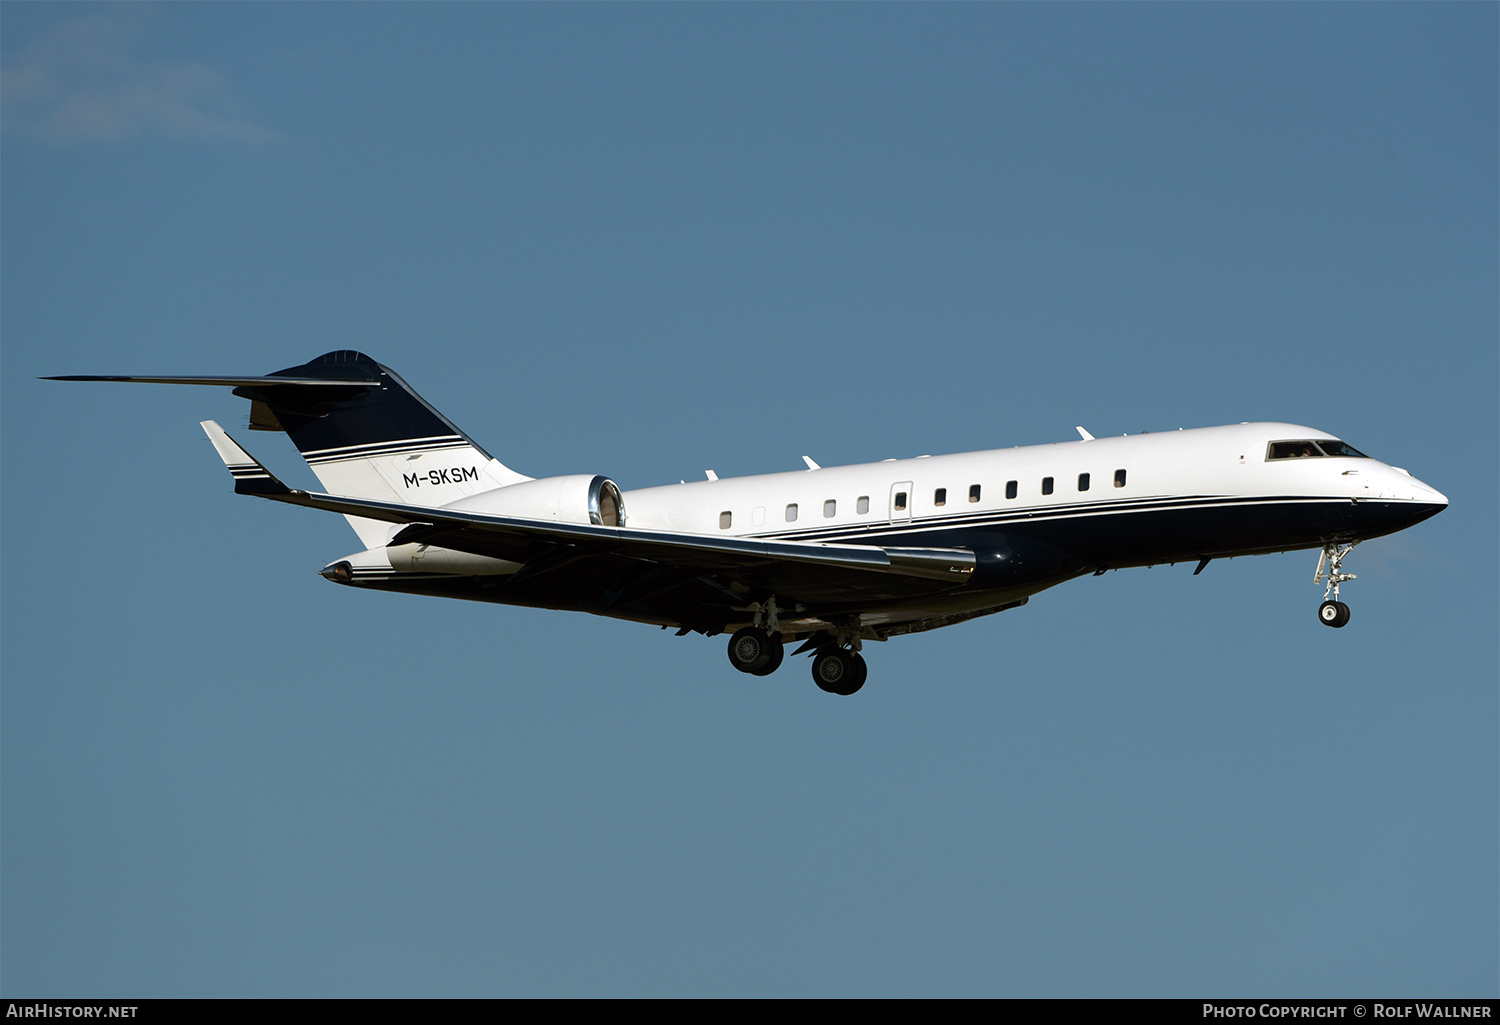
(646, 240)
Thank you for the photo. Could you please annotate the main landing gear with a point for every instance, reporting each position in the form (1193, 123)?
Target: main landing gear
(837, 667)
(1333, 612)
(837, 671)
(754, 651)
(757, 649)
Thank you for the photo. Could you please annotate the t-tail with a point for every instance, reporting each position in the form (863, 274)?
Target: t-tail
(364, 432)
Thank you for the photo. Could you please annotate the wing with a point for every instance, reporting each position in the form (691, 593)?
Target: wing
(655, 561)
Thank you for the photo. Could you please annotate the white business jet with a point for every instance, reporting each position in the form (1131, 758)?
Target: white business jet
(825, 558)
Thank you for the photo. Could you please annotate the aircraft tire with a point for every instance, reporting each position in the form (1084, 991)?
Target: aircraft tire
(778, 652)
(751, 651)
(836, 671)
(1333, 613)
(857, 679)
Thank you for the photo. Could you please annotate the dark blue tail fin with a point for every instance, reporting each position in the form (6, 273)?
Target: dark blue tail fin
(382, 441)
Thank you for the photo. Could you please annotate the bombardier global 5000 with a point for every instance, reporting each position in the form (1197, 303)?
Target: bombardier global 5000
(824, 558)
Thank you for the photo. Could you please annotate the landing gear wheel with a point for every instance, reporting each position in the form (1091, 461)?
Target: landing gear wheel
(861, 670)
(837, 671)
(1333, 613)
(752, 650)
(778, 652)
(830, 667)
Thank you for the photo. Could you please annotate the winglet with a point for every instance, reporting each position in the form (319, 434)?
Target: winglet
(1084, 434)
(810, 464)
(250, 477)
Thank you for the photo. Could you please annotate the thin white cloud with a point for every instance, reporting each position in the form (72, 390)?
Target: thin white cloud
(79, 82)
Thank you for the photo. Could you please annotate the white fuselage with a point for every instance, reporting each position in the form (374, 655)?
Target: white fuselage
(1033, 516)
(841, 502)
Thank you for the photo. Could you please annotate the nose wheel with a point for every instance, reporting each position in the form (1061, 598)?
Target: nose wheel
(1333, 612)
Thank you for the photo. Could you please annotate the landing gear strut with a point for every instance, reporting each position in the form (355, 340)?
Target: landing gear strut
(1333, 612)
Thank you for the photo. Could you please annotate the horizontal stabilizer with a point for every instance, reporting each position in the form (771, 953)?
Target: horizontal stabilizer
(361, 429)
(250, 477)
(227, 382)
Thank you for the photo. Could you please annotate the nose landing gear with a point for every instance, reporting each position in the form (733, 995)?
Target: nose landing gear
(1333, 612)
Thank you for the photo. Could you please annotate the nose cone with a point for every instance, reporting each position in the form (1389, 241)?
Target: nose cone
(1427, 493)
(1403, 487)
(1414, 501)
(1388, 499)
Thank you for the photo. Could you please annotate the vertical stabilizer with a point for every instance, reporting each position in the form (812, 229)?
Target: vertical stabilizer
(383, 442)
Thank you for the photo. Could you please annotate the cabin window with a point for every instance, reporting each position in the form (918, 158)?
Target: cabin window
(758, 516)
(829, 508)
(940, 496)
(1119, 478)
(1011, 489)
(901, 501)
(973, 492)
(1046, 485)
(1083, 482)
(863, 505)
(725, 518)
(791, 513)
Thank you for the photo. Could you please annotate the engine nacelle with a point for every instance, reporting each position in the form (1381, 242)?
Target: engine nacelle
(577, 498)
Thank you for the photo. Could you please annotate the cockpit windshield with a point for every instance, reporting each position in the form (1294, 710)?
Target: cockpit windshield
(1311, 449)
